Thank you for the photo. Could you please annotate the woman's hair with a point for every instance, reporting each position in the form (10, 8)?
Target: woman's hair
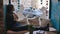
(9, 8)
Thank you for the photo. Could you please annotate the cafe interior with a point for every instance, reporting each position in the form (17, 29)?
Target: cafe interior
(31, 16)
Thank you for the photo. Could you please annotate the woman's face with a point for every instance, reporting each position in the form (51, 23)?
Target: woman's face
(13, 9)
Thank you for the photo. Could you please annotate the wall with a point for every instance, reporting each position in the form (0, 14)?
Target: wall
(5, 2)
(1, 17)
(26, 3)
(55, 14)
(36, 4)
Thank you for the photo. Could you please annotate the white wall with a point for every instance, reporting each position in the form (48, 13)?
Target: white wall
(5, 2)
(39, 6)
(26, 3)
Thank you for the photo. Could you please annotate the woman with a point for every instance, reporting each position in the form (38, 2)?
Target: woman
(11, 18)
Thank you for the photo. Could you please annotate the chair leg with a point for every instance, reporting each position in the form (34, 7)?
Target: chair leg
(27, 20)
(39, 21)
